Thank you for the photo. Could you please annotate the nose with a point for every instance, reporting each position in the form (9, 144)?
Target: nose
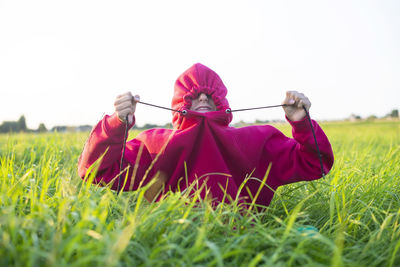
(203, 97)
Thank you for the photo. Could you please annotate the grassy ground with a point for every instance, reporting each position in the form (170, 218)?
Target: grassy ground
(48, 217)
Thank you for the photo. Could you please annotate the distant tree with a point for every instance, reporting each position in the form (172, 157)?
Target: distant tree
(59, 129)
(22, 124)
(371, 118)
(9, 126)
(394, 113)
(240, 124)
(14, 126)
(261, 121)
(150, 126)
(168, 125)
(42, 128)
(354, 117)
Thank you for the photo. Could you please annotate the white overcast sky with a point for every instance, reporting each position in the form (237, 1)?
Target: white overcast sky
(64, 62)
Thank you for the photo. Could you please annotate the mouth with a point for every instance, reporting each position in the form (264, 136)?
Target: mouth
(203, 108)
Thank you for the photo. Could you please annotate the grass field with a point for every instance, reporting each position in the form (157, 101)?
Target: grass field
(49, 217)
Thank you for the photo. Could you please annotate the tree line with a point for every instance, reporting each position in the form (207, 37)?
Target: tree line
(14, 126)
(20, 124)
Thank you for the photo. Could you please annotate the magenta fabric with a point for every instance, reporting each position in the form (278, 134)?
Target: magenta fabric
(203, 148)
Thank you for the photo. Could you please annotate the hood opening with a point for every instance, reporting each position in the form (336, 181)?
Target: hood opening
(194, 81)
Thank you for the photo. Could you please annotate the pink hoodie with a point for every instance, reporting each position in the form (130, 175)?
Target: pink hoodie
(203, 149)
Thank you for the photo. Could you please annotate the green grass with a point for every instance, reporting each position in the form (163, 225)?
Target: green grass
(49, 217)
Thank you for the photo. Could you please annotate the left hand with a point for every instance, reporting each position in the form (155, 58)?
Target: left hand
(296, 102)
(125, 105)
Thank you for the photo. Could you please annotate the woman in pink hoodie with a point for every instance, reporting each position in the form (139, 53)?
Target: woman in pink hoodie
(202, 151)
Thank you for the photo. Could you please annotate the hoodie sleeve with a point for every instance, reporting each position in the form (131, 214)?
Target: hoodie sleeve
(104, 146)
(296, 159)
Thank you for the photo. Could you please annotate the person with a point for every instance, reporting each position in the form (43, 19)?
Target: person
(202, 152)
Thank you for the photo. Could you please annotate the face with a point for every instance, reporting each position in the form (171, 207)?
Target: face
(203, 103)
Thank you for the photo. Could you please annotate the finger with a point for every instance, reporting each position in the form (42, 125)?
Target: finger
(126, 94)
(289, 99)
(124, 105)
(300, 103)
(296, 96)
(303, 102)
(129, 94)
(307, 103)
(123, 113)
(292, 94)
(299, 97)
(127, 97)
(122, 99)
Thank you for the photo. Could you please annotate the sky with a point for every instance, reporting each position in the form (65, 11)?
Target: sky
(65, 62)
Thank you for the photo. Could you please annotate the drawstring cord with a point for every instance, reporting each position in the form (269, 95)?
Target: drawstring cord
(184, 112)
(175, 110)
(245, 109)
(316, 143)
(123, 153)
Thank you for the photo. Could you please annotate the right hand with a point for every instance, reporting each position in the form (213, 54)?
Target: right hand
(296, 102)
(125, 105)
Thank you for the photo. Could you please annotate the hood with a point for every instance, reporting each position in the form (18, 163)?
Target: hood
(194, 81)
